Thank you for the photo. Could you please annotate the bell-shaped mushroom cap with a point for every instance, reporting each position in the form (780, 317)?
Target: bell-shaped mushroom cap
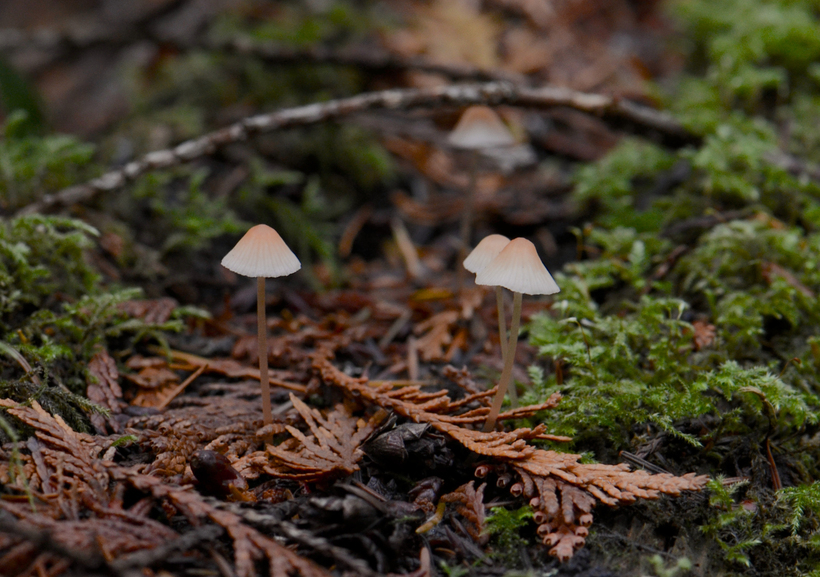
(485, 252)
(480, 127)
(518, 268)
(261, 253)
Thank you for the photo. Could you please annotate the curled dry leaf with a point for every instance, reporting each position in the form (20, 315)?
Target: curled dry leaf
(703, 334)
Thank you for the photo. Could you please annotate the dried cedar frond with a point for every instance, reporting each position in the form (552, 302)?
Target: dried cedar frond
(118, 533)
(227, 424)
(332, 450)
(470, 506)
(249, 545)
(67, 460)
(74, 454)
(561, 488)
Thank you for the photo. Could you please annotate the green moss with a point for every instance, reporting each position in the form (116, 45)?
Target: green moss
(31, 165)
(504, 526)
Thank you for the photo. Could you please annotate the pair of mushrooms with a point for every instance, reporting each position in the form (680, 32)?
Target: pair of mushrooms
(497, 261)
(514, 265)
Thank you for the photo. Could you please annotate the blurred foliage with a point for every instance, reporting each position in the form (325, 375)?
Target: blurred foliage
(16, 95)
(32, 164)
(300, 181)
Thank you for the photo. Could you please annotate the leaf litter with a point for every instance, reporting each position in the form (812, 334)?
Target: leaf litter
(138, 486)
(147, 480)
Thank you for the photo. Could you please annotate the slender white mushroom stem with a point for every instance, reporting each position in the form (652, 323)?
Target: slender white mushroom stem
(502, 335)
(502, 323)
(506, 373)
(262, 333)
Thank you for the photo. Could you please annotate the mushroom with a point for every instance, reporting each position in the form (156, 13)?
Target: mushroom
(262, 253)
(482, 255)
(478, 128)
(519, 269)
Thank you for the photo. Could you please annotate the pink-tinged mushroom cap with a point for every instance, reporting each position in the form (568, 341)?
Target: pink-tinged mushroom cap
(518, 268)
(480, 127)
(485, 252)
(261, 253)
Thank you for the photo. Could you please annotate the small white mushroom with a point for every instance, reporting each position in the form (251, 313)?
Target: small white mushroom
(479, 128)
(482, 255)
(262, 253)
(519, 269)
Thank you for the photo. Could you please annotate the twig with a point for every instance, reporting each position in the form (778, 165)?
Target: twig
(617, 111)
(182, 386)
(242, 371)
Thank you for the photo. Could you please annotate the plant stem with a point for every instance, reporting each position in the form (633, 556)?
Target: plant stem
(262, 333)
(506, 374)
(502, 335)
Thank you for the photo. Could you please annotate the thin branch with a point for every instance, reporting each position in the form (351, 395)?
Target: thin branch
(640, 119)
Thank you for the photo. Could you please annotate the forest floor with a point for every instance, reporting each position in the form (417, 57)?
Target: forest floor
(666, 170)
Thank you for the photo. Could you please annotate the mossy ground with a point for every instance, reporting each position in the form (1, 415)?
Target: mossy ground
(686, 332)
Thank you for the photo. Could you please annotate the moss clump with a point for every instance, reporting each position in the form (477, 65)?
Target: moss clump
(55, 314)
(31, 164)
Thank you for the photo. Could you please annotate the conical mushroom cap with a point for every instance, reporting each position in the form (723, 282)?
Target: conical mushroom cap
(485, 252)
(480, 127)
(261, 253)
(519, 269)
